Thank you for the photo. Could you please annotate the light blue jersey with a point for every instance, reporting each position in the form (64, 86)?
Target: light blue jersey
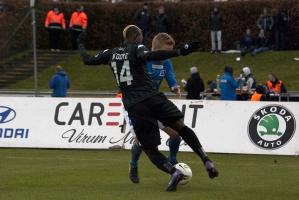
(158, 70)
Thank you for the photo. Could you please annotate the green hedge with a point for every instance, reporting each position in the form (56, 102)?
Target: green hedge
(190, 21)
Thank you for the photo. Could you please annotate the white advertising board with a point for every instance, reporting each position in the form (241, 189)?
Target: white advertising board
(97, 123)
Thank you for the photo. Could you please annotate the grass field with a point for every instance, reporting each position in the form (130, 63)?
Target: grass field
(100, 78)
(29, 174)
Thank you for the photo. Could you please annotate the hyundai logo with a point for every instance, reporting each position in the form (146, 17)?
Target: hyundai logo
(6, 114)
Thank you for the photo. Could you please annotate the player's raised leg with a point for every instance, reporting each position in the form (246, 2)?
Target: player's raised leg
(191, 139)
(171, 116)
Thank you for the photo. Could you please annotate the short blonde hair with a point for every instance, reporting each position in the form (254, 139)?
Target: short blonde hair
(162, 39)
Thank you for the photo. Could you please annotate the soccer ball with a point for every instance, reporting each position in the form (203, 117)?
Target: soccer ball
(186, 171)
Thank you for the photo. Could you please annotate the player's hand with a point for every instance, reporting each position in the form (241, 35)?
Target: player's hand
(189, 48)
(176, 90)
(81, 39)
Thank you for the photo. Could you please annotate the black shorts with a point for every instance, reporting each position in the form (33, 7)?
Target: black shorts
(144, 116)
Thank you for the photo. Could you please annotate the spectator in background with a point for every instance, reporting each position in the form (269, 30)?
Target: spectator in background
(259, 94)
(279, 29)
(59, 83)
(162, 21)
(274, 85)
(216, 27)
(247, 42)
(2, 10)
(249, 82)
(228, 85)
(2, 7)
(265, 23)
(212, 85)
(78, 24)
(54, 23)
(194, 85)
(262, 43)
(143, 19)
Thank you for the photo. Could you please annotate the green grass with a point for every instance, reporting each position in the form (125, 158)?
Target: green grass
(29, 174)
(100, 77)
(14, 57)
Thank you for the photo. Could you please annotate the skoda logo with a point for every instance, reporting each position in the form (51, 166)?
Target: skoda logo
(271, 127)
(6, 114)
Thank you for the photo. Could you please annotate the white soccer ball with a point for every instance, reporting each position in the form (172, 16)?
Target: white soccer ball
(183, 167)
(238, 58)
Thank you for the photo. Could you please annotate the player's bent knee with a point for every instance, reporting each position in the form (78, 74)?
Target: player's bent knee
(172, 133)
(178, 125)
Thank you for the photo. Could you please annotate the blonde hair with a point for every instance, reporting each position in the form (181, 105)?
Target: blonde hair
(162, 39)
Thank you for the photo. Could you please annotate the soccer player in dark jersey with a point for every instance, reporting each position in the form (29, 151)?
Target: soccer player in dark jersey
(144, 104)
(158, 70)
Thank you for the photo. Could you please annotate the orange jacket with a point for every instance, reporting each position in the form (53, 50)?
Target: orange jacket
(276, 89)
(55, 21)
(256, 96)
(78, 19)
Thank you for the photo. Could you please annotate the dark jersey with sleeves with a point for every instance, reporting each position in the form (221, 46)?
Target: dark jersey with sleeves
(127, 63)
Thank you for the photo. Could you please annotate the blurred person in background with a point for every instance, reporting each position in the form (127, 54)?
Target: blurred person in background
(59, 83)
(228, 85)
(265, 23)
(249, 82)
(212, 85)
(162, 22)
(279, 29)
(55, 23)
(2, 7)
(216, 33)
(78, 24)
(247, 42)
(262, 43)
(259, 94)
(194, 85)
(274, 85)
(143, 21)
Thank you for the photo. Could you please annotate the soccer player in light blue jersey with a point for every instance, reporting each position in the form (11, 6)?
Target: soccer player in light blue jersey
(159, 70)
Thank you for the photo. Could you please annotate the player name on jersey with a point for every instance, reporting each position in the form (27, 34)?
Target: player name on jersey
(122, 56)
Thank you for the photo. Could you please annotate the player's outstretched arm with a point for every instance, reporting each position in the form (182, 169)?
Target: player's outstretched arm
(145, 55)
(156, 55)
(101, 58)
(170, 78)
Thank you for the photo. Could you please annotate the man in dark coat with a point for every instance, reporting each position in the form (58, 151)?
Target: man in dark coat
(143, 21)
(162, 21)
(195, 85)
(216, 31)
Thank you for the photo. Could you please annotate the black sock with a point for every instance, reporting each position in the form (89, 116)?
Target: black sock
(159, 160)
(191, 139)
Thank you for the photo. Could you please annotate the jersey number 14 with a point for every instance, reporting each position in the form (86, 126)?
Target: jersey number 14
(125, 73)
